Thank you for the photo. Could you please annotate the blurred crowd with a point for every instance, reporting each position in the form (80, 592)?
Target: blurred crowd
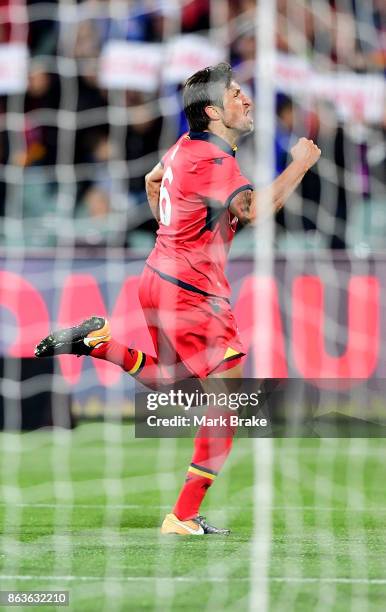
(70, 174)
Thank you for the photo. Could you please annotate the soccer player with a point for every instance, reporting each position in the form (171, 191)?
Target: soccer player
(198, 195)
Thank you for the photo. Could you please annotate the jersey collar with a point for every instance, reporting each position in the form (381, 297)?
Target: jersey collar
(213, 139)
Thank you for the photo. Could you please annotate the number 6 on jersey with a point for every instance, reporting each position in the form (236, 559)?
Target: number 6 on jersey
(165, 204)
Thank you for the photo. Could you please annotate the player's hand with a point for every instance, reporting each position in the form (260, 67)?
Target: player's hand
(306, 152)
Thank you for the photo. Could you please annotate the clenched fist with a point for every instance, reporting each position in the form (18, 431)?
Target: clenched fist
(306, 152)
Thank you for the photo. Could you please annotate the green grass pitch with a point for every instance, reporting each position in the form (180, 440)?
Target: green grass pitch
(81, 510)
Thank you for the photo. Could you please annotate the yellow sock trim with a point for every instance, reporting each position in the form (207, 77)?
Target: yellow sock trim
(201, 473)
(135, 367)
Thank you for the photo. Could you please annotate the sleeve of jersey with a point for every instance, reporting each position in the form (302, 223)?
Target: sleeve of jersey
(220, 180)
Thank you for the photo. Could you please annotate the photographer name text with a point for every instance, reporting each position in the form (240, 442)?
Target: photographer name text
(231, 420)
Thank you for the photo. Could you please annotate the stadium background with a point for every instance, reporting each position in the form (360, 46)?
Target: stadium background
(89, 101)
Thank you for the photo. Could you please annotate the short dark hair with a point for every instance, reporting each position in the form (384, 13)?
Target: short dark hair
(202, 89)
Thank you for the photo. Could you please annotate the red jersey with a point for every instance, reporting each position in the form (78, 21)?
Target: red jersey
(201, 177)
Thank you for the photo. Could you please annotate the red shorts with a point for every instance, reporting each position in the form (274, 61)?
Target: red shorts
(193, 334)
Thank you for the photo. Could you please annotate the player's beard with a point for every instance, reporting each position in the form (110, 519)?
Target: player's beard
(237, 127)
(242, 127)
(248, 124)
(250, 128)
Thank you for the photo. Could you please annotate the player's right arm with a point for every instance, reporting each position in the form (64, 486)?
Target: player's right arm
(153, 186)
(251, 206)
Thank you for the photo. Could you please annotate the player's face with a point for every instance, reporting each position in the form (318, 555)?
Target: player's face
(237, 113)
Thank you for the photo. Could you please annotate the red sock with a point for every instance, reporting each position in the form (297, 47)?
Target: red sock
(208, 458)
(144, 367)
(138, 364)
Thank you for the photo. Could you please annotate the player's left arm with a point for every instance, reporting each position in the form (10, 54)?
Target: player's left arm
(153, 185)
